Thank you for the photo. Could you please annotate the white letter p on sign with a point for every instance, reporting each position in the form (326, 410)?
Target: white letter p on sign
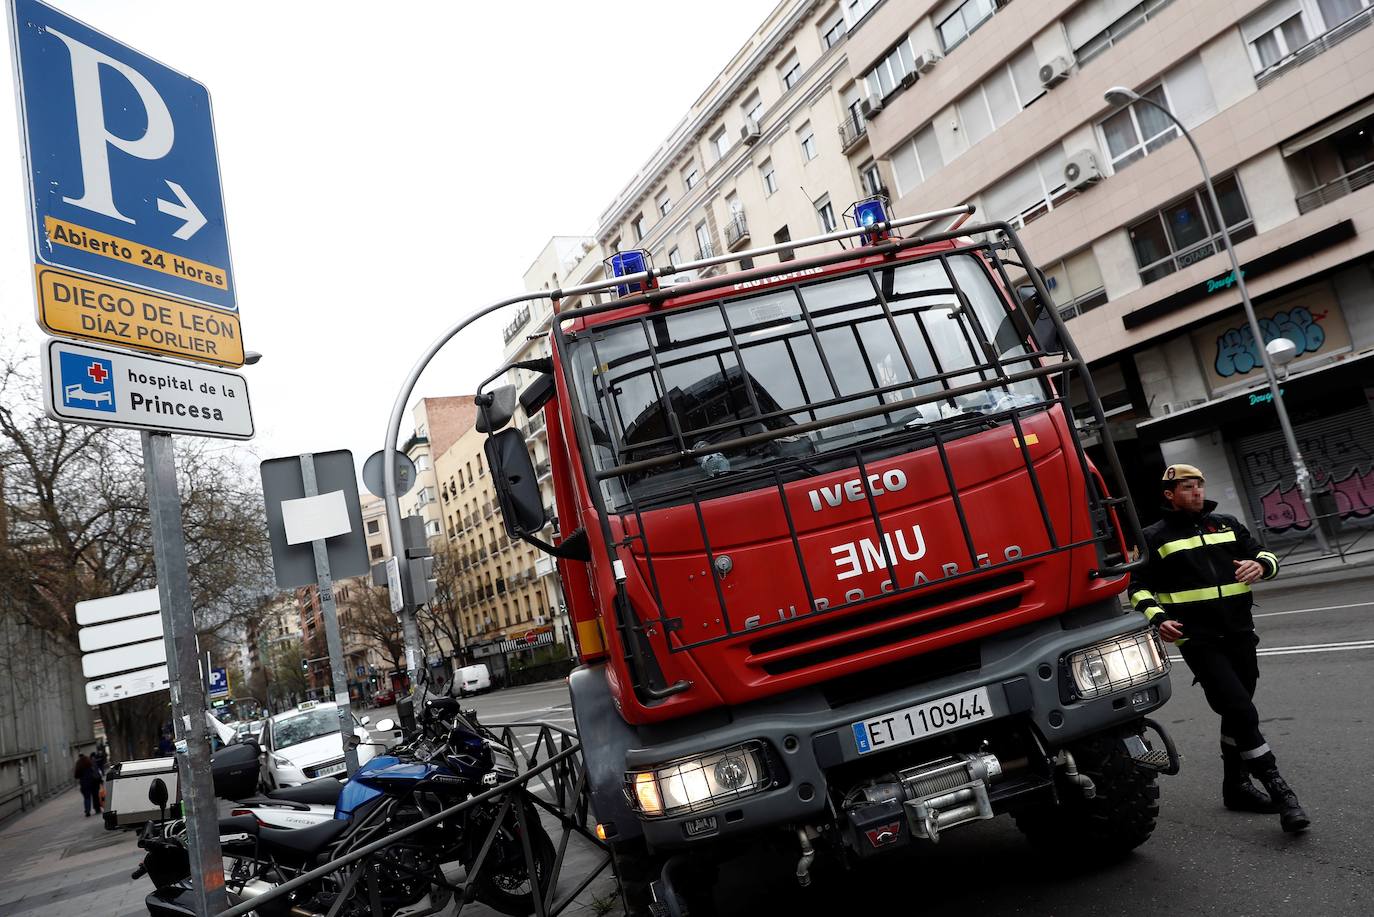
(92, 133)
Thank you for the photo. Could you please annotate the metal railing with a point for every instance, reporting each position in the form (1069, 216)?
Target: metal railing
(552, 779)
(521, 317)
(1318, 45)
(736, 230)
(852, 130)
(1336, 188)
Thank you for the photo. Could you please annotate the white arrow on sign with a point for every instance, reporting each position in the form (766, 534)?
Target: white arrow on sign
(125, 658)
(118, 633)
(130, 684)
(111, 607)
(186, 210)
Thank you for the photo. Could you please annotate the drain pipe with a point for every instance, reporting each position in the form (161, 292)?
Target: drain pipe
(1082, 781)
(808, 856)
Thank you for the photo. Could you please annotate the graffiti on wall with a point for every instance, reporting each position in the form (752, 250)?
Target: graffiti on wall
(1340, 464)
(1237, 353)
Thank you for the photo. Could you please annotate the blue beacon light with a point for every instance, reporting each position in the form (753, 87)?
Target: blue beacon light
(869, 212)
(626, 263)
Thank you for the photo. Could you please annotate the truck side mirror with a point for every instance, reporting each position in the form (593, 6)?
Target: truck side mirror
(1046, 334)
(495, 408)
(517, 485)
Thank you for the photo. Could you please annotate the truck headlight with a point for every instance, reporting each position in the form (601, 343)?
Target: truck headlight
(1113, 665)
(702, 782)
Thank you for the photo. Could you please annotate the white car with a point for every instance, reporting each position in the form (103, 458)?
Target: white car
(303, 745)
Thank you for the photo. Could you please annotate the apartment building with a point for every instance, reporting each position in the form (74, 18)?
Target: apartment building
(1001, 104)
(499, 594)
(438, 424)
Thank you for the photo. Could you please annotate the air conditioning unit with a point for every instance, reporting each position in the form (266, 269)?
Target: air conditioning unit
(925, 62)
(870, 107)
(1055, 72)
(909, 79)
(1081, 170)
(750, 133)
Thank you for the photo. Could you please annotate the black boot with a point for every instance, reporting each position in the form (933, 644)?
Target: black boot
(1291, 815)
(1237, 792)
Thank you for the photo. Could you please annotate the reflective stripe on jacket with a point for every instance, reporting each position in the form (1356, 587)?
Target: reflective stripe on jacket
(1190, 572)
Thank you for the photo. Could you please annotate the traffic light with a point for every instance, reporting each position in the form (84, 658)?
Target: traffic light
(417, 568)
(305, 666)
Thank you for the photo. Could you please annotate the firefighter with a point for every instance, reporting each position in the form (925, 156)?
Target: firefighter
(1195, 590)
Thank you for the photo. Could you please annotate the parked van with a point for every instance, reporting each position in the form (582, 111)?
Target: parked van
(474, 679)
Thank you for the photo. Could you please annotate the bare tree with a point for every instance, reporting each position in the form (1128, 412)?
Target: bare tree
(366, 613)
(441, 614)
(78, 528)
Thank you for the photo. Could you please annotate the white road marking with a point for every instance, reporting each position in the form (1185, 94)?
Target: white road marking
(1303, 611)
(1306, 648)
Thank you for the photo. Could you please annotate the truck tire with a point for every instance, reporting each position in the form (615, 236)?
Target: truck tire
(635, 870)
(1119, 818)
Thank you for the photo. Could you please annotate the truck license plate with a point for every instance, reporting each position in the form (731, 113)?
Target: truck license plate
(921, 720)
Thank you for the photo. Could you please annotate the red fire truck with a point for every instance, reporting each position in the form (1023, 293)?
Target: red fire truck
(842, 573)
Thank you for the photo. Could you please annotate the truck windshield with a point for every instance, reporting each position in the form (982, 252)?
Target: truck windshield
(666, 382)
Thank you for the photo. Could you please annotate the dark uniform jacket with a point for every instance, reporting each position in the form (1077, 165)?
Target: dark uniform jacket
(1190, 574)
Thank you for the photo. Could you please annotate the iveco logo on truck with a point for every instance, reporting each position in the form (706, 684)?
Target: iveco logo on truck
(890, 481)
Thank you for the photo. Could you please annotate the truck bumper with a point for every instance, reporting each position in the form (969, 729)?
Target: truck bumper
(1023, 672)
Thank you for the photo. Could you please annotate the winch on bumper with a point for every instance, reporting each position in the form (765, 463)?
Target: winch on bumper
(776, 762)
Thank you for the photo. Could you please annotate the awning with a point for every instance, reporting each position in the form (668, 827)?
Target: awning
(1330, 128)
(1240, 407)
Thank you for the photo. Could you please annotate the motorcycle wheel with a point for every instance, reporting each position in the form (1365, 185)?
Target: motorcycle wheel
(507, 888)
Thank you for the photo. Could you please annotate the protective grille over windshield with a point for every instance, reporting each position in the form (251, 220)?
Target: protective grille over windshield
(883, 442)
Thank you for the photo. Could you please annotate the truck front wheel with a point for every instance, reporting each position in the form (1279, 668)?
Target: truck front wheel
(1120, 816)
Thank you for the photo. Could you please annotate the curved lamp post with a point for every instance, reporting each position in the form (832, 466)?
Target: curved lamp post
(1121, 96)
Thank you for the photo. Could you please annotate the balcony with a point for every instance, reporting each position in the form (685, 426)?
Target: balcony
(1332, 159)
(1336, 188)
(736, 231)
(541, 470)
(852, 129)
(511, 330)
(707, 250)
(1318, 45)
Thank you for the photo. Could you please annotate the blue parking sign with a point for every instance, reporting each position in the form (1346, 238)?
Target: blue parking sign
(123, 171)
(87, 382)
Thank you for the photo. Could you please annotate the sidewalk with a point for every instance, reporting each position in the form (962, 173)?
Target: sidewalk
(60, 864)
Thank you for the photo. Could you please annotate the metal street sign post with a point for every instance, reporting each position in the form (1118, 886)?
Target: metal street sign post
(315, 525)
(127, 217)
(129, 246)
(84, 383)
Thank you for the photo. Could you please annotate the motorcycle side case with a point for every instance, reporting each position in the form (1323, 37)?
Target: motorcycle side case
(235, 771)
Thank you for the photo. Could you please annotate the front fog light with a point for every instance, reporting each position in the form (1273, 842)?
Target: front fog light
(703, 782)
(1113, 665)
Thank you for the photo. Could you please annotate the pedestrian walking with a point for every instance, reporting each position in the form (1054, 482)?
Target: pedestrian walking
(88, 776)
(1195, 590)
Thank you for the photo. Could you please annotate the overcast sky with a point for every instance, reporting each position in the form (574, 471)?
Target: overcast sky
(387, 167)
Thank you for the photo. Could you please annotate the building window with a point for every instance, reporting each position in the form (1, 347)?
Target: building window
(374, 527)
(720, 142)
(1095, 27)
(433, 529)
(674, 256)
(752, 109)
(807, 136)
(790, 71)
(638, 227)
(376, 551)
(690, 176)
(914, 161)
(1076, 283)
(870, 178)
(1001, 96)
(770, 177)
(854, 10)
(704, 245)
(663, 202)
(1139, 129)
(1029, 192)
(422, 462)
(895, 66)
(832, 28)
(825, 213)
(1184, 232)
(781, 236)
(955, 21)
(1274, 33)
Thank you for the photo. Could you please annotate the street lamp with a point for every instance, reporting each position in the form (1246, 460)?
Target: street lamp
(1121, 96)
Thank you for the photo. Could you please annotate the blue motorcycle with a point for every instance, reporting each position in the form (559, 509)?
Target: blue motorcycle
(445, 761)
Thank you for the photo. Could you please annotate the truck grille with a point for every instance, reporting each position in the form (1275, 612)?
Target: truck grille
(777, 660)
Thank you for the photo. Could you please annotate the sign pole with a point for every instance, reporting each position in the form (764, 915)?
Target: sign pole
(188, 695)
(325, 585)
